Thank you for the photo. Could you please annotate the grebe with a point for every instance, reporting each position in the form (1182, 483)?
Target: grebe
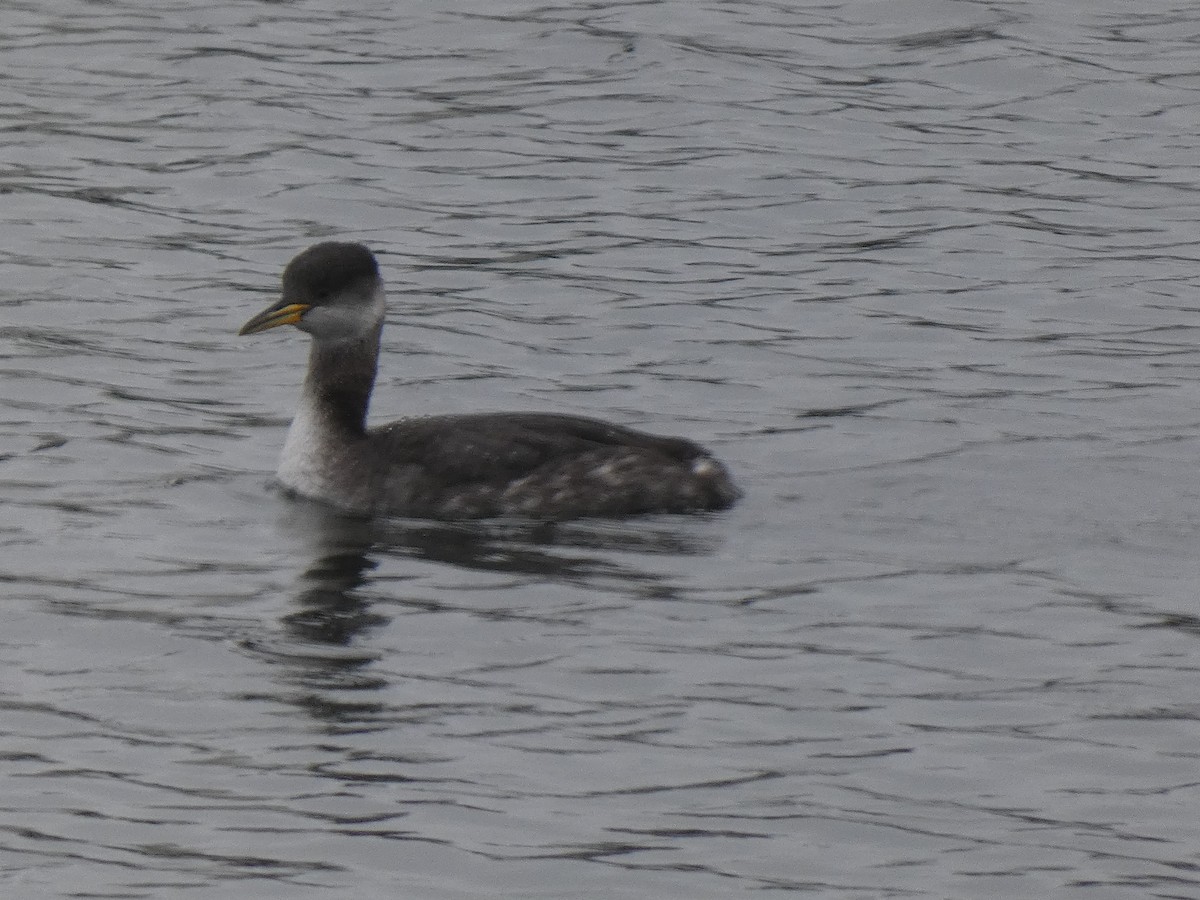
(526, 464)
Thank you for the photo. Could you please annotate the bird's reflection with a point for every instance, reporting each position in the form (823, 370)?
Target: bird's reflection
(326, 649)
(329, 606)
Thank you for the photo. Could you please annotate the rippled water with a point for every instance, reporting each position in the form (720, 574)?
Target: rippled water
(923, 273)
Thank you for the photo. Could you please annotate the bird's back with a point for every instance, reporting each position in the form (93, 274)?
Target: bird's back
(540, 465)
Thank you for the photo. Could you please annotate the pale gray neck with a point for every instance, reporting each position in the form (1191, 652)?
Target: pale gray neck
(340, 376)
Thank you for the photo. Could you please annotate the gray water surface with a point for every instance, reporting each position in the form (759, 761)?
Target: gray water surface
(923, 273)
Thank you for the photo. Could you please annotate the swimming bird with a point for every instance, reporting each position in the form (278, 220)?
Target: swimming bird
(546, 466)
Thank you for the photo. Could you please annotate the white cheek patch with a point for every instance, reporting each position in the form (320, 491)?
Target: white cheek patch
(347, 318)
(335, 323)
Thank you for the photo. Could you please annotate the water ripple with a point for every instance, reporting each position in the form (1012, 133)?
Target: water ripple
(923, 279)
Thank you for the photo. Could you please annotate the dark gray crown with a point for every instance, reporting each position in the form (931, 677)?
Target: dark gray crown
(323, 271)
